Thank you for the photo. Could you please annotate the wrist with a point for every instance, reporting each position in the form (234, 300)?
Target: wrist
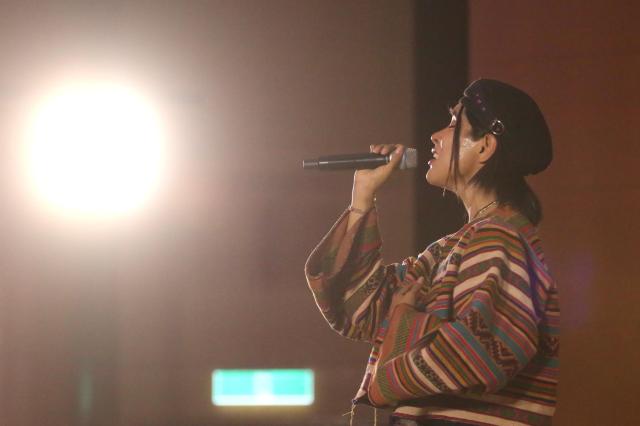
(358, 209)
(364, 203)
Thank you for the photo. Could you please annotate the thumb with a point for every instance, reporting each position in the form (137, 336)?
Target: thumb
(396, 156)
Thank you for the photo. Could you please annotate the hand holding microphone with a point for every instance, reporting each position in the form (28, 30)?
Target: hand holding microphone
(367, 182)
(372, 169)
(369, 160)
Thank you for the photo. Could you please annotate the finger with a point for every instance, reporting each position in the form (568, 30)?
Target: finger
(396, 156)
(414, 288)
(376, 149)
(416, 285)
(387, 149)
(410, 280)
(409, 284)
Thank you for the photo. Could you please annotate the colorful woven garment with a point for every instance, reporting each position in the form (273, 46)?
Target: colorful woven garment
(481, 346)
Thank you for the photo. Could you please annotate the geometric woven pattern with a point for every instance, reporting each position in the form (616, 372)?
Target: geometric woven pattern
(480, 346)
(496, 349)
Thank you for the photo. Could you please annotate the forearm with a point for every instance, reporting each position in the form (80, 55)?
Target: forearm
(348, 279)
(419, 358)
(362, 201)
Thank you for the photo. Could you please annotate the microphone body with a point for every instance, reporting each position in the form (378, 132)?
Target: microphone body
(360, 161)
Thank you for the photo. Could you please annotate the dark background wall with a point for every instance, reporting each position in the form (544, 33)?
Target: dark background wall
(122, 322)
(581, 61)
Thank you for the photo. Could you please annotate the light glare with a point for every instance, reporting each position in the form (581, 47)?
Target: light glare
(95, 149)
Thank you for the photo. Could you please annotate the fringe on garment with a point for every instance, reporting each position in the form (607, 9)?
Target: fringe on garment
(352, 414)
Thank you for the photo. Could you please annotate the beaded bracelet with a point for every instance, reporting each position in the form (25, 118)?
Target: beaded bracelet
(357, 210)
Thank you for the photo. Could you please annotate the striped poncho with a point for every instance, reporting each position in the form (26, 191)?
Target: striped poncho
(481, 346)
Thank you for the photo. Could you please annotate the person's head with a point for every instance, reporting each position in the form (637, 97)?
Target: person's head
(496, 137)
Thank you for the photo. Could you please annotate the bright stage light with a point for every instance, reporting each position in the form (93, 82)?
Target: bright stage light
(95, 149)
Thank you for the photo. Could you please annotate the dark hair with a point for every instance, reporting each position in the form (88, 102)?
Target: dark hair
(523, 148)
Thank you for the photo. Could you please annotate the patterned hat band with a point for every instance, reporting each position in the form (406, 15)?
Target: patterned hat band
(475, 103)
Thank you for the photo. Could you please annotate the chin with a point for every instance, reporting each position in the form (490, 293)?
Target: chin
(432, 180)
(435, 180)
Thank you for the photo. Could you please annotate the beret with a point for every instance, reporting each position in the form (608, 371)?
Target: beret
(515, 119)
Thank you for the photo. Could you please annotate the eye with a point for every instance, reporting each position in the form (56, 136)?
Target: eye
(452, 112)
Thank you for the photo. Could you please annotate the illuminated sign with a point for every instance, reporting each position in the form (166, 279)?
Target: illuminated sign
(262, 387)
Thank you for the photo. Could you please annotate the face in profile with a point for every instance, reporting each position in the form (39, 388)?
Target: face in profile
(468, 159)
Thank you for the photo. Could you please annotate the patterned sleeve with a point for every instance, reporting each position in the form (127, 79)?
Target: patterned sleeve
(350, 284)
(489, 339)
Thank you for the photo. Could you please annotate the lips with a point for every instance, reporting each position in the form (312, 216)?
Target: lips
(435, 157)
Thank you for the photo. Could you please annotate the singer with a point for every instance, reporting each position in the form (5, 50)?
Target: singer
(467, 332)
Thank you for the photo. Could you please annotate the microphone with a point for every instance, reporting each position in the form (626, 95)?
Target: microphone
(360, 161)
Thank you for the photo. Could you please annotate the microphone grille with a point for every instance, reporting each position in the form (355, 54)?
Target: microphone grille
(409, 159)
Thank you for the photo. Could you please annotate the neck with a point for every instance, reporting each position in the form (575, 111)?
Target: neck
(476, 199)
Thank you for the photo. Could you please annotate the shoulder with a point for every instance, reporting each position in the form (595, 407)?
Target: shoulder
(499, 226)
(494, 235)
(440, 249)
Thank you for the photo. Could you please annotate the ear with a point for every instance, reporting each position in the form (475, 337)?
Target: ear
(488, 146)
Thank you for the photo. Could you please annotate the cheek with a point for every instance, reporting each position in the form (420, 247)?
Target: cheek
(445, 155)
(467, 148)
(467, 160)
(466, 143)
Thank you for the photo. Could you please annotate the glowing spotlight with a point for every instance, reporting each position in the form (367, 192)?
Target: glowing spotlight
(95, 149)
